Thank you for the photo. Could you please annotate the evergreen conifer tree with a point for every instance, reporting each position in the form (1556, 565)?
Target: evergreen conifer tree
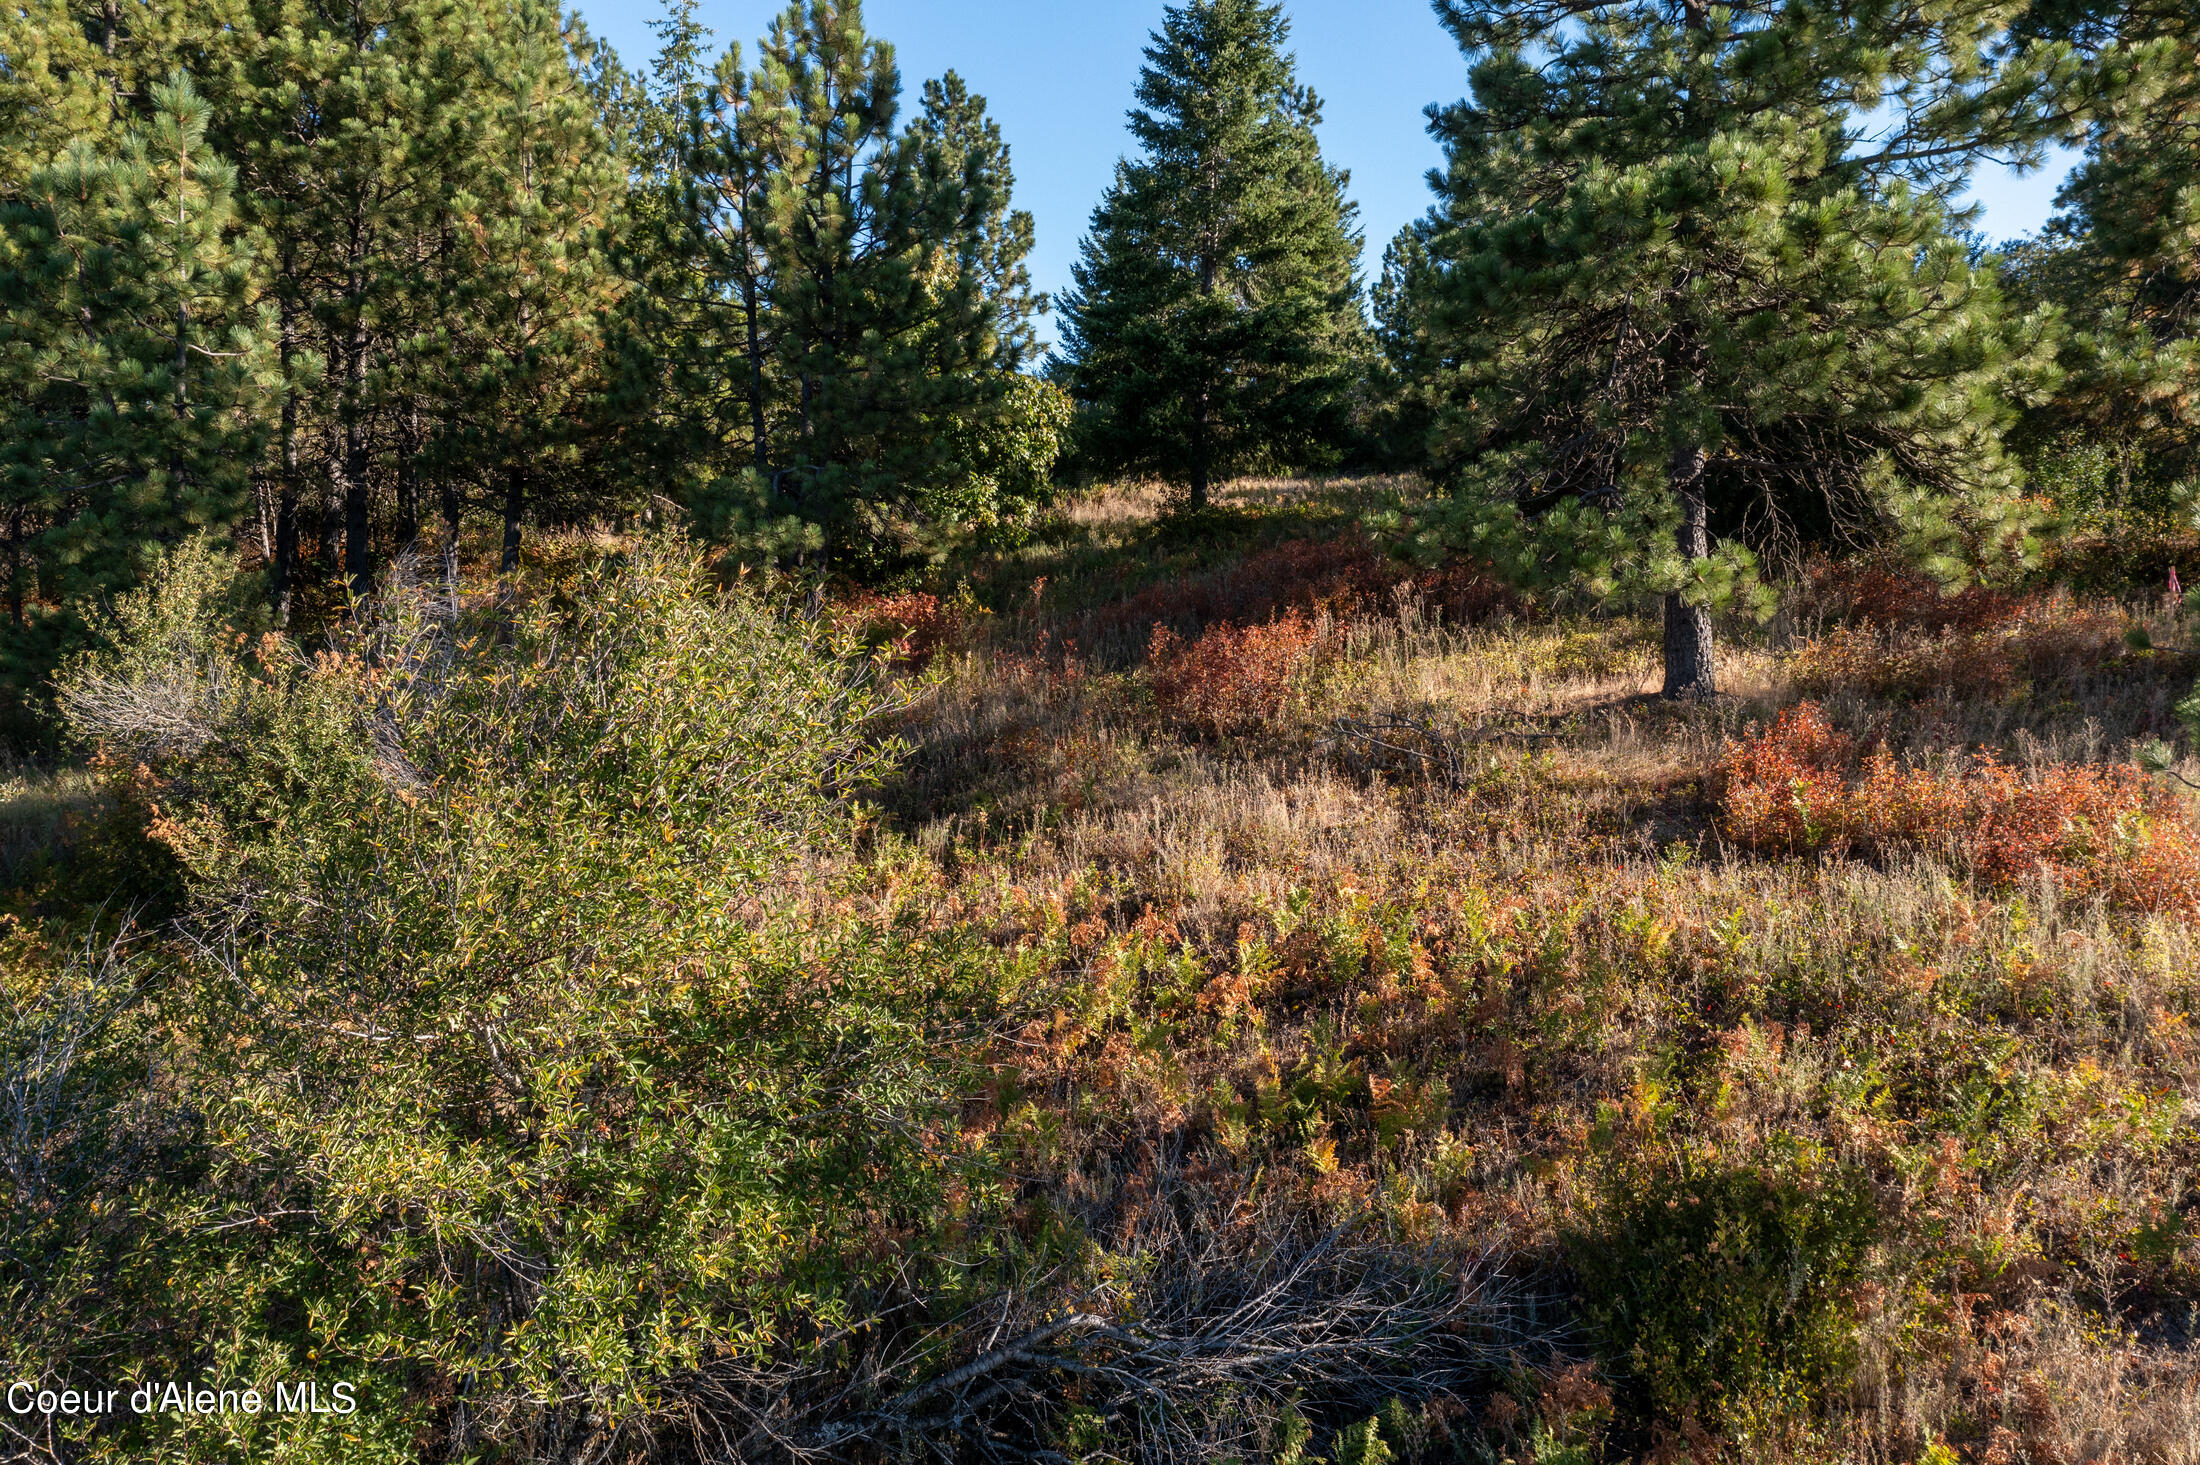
(2123, 260)
(843, 301)
(878, 330)
(335, 112)
(990, 241)
(1686, 302)
(534, 189)
(1215, 324)
(133, 364)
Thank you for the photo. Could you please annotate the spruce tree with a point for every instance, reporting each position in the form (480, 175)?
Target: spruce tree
(1687, 304)
(134, 365)
(1215, 324)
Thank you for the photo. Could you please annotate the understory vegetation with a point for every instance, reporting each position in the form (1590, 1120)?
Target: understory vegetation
(1186, 988)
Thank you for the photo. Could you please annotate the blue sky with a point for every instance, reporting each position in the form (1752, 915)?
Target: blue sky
(1058, 75)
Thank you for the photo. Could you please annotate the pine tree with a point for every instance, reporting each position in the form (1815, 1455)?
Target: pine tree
(699, 326)
(2123, 260)
(1215, 324)
(327, 107)
(534, 192)
(859, 287)
(991, 241)
(1687, 304)
(134, 365)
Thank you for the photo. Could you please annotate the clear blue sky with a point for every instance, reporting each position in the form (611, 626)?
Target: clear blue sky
(1058, 74)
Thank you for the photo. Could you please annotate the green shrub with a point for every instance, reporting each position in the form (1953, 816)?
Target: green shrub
(1721, 1292)
(2114, 487)
(524, 1105)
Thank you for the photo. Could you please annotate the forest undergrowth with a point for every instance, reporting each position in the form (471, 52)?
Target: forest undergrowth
(1266, 1002)
(1817, 1064)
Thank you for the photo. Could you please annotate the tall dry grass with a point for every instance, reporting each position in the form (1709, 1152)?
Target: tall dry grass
(1458, 907)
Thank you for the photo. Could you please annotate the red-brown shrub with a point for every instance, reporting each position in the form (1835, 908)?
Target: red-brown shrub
(2097, 830)
(1340, 575)
(1230, 677)
(916, 624)
(2042, 636)
(1893, 596)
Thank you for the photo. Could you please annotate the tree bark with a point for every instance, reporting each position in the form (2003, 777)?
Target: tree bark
(408, 479)
(452, 509)
(358, 549)
(329, 517)
(15, 565)
(515, 501)
(1691, 671)
(758, 440)
(283, 570)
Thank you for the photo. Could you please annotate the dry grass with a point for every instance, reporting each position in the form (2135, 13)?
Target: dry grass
(1415, 937)
(42, 811)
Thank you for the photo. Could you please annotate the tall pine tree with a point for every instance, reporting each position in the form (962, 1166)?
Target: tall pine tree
(840, 303)
(534, 194)
(1215, 325)
(2123, 259)
(133, 361)
(1689, 302)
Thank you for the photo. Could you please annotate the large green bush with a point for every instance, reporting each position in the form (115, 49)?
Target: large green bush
(520, 1093)
(1722, 1291)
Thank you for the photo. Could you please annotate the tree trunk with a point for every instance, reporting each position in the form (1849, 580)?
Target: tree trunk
(284, 561)
(1691, 671)
(408, 479)
(1201, 456)
(329, 518)
(15, 565)
(358, 550)
(515, 501)
(452, 509)
(759, 443)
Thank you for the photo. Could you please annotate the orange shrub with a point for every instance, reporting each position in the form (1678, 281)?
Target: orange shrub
(1230, 677)
(2097, 830)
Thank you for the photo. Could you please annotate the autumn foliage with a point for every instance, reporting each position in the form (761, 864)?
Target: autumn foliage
(1897, 634)
(2109, 831)
(1231, 677)
(915, 624)
(1343, 576)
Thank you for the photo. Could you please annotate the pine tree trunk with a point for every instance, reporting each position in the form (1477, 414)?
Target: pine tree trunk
(756, 376)
(328, 520)
(285, 559)
(1691, 671)
(358, 551)
(515, 501)
(408, 479)
(15, 565)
